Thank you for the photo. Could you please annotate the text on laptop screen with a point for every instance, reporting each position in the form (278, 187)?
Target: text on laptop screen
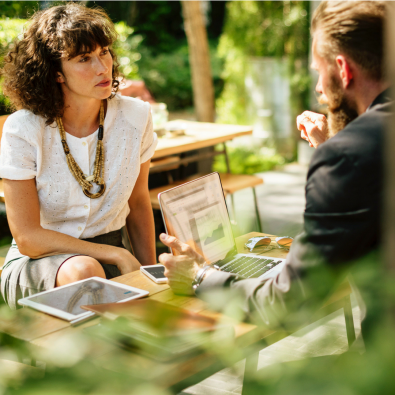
(196, 214)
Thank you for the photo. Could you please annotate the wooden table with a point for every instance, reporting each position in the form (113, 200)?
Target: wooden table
(45, 331)
(198, 135)
(169, 151)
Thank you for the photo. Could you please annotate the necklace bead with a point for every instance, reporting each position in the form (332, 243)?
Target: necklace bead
(76, 171)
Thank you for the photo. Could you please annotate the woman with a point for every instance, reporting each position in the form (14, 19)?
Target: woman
(74, 158)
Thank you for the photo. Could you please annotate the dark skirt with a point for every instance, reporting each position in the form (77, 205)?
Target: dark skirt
(23, 276)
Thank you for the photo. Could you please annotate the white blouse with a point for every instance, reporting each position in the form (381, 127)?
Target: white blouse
(30, 149)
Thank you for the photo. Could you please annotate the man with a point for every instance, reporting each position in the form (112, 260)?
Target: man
(344, 181)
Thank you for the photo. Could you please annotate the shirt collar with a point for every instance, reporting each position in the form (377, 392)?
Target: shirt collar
(382, 98)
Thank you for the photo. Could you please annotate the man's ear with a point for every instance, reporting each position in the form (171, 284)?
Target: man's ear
(345, 71)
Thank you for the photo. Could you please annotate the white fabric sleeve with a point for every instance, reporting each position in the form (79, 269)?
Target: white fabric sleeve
(18, 155)
(149, 140)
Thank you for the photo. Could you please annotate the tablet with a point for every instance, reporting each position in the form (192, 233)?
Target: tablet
(65, 301)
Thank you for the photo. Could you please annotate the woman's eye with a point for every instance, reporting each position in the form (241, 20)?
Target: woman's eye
(84, 59)
(104, 52)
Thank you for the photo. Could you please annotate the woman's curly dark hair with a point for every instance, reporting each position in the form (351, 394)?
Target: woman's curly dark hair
(31, 68)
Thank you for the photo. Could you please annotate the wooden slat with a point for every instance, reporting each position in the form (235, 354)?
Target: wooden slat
(28, 324)
(232, 183)
(198, 135)
(168, 163)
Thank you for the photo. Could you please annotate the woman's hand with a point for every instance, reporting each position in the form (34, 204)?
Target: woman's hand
(23, 214)
(123, 260)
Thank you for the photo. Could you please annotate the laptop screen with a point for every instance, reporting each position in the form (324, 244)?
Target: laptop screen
(196, 214)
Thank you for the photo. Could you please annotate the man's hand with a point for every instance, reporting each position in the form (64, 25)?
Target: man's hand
(181, 269)
(313, 128)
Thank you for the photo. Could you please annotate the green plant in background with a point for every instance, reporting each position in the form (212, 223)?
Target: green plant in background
(260, 29)
(248, 160)
(10, 29)
(126, 48)
(18, 9)
(168, 75)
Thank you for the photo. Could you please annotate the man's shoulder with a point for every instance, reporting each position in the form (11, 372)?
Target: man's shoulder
(360, 141)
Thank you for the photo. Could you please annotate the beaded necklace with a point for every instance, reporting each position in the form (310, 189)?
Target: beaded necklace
(97, 176)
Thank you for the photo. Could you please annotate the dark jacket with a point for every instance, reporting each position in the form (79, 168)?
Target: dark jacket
(341, 223)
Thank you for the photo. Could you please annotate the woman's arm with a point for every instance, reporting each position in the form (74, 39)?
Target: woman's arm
(140, 221)
(23, 214)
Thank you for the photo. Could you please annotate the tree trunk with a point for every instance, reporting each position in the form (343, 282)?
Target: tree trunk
(132, 13)
(199, 59)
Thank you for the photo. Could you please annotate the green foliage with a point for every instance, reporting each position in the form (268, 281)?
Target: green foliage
(75, 363)
(168, 76)
(126, 48)
(18, 9)
(10, 29)
(262, 28)
(248, 160)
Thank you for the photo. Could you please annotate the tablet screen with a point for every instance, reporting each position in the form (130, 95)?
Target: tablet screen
(71, 297)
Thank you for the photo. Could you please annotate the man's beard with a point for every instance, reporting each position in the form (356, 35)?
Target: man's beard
(340, 110)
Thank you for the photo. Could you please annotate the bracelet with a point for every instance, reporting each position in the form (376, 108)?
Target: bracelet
(199, 277)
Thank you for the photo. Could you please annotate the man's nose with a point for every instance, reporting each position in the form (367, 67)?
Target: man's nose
(318, 87)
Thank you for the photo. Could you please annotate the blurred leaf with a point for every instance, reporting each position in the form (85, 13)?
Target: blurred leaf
(248, 160)
(262, 29)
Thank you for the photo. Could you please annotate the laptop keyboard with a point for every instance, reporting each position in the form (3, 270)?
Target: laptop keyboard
(250, 267)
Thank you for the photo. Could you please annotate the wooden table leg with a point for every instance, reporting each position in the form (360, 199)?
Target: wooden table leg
(258, 218)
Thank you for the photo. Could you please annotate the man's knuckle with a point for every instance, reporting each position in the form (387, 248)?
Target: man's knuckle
(186, 249)
(172, 240)
(165, 259)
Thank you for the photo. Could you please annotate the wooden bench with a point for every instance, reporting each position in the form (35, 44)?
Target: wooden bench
(231, 183)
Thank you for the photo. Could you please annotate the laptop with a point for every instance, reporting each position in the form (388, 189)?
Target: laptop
(196, 213)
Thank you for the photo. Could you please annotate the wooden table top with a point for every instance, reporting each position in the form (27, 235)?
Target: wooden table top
(45, 331)
(198, 135)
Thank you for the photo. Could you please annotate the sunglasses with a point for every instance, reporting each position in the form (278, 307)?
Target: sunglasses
(256, 243)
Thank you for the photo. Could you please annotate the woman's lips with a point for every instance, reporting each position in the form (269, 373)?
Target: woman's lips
(104, 84)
